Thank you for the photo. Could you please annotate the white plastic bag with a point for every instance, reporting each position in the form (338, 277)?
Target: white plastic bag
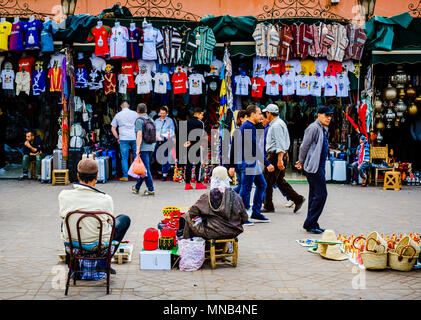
(192, 253)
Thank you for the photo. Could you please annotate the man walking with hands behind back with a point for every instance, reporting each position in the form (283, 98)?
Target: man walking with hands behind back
(312, 158)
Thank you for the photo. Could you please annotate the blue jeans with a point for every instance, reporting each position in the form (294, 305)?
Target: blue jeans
(125, 146)
(247, 181)
(164, 164)
(316, 198)
(146, 158)
(361, 170)
(240, 172)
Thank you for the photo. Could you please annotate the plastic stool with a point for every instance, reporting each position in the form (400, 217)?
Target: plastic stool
(392, 180)
(60, 177)
(215, 254)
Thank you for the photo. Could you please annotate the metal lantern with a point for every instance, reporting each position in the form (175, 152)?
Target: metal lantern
(411, 92)
(402, 93)
(413, 109)
(390, 116)
(380, 126)
(378, 104)
(390, 93)
(379, 138)
(400, 78)
(400, 108)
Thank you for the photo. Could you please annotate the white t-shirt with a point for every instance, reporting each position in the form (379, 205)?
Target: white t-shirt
(196, 82)
(161, 82)
(302, 85)
(316, 85)
(342, 82)
(242, 84)
(330, 86)
(146, 66)
(98, 63)
(348, 66)
(292, 66)
(288, 83)
(144, 83)
(260, 66)
(118, 42)
(57, 57)
(151, 36)
(123, 81)
(215, 68)
(273, 81)
(8, 79)
(321, 66)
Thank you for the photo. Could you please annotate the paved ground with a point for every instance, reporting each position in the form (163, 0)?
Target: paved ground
(271, 264)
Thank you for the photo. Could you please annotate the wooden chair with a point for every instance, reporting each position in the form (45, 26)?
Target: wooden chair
(60, 177)
(378, 153)
(78, 253)
(215, 255)
(393, 179)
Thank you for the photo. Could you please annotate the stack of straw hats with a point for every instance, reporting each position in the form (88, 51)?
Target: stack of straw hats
(328, 247)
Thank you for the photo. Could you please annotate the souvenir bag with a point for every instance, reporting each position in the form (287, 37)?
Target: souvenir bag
(192, 253)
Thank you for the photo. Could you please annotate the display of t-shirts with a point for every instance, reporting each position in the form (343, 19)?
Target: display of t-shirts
(147, 66)
(316, 85)
(118, 42)
(343, 86)
(101, 36)
(293, 66)
(144, 83)
(98, 63)
(308, 67)
(196, 82)
(7, 79)
(16, 36)
(260, 66)
(242, 84)
(302, 85)
(56, 60)
(333, 68)
(273, 81)
(348, 66)
(179, 80)
(330, 86)
(110, 83)
(54, 74)
(321, 66)
(277, 66)
(288, 83)
(161, 82)
(32, 31)
(257, 85)
(95, 79)
(215, 68)
(23, 82)
(130, 68)
(38, 82)
(213, 85)
(49, 28)
(133, 44)
(81, 78)
(123, 82)
(5, 31)
(205, 41)
(151, 36)
(26, 63)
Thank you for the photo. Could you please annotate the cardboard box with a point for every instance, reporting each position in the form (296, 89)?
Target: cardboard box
(155, 260)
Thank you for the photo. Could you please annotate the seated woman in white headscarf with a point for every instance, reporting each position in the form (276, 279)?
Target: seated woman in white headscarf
(218, 214)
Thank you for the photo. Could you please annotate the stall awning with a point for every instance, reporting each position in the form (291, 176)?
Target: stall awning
(398, 56)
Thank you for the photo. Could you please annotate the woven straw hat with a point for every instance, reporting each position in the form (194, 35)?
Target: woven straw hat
(330, 251)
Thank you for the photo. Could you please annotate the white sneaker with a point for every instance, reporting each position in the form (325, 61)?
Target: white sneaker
(289, 204)
(249, 212)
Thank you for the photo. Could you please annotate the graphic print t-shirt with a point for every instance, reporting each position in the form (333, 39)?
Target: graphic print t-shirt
(242, 84)
(273, 81)
(293, 66)
(7, 79)
(316, 85)
(257, 85)
(32, 34)
(123, 82)
(101, 36)
(16, 36)
(144, 83)
(196, 82)
(277, 66)
(330, 86)
(179, 81)
(288, 83)
(342, 83)
(302, 85)
(260, 66)
(5, 31)
(161, 81)
(213, 85)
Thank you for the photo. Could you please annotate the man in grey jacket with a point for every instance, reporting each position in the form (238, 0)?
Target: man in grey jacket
(312, 158)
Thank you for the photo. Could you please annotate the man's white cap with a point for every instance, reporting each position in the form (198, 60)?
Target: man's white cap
(272, 108)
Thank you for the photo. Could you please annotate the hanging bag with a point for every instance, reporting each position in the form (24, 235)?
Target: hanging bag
(138, 166)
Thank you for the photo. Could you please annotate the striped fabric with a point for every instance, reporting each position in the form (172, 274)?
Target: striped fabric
(303, 38)
(188, 47)
(205, 41)
(285, 40)
(365, 157)
(169, 49)
(322, 39)
(336, 51)
(357, 38)
(267, 40)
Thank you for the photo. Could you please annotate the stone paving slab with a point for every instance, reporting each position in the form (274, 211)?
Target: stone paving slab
(271, 265)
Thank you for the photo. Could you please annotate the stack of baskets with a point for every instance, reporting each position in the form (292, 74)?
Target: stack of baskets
(376, 255)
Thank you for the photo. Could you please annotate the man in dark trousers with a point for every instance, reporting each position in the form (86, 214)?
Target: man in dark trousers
(312, 158)
(277, 146)
(194, 124)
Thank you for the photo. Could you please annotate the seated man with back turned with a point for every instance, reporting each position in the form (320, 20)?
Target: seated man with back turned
(84, 197)
(32, 150)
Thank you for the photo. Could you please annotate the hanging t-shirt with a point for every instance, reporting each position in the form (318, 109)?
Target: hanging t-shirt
(54, 74)
(38, 82)
(5, 31)
(348, 66)
(16, 36)
(273, 81)
(308, 67)
(333, 68)
(8, 79)
(316, 85)
(133, 47)
(330, 86)
(321, 66)
(49, 28)
(32, 30)
(151, 36)
(26, 63)
(147, 66)
(81, 78)
(288, 83)
(161, 81)
(118, 42)
(101, 36)
(130, 68)
(242, 84)
(257, 85)
(179, 81)
(215, 68)
(56, 59)
(302, 85)
(109, 83)
(343, 86)
(144, 83)
(95, 79)
(213, 85)
(293, 66)
(98, 63)
(260, 66)
(123, 82)
(196, 82)
(277, 66)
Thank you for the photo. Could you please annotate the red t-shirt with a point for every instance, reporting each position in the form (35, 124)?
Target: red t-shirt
(27, 63)
(130, 68)
(333, 68)
(55, 79)
(257, 85)
(101, 36)
(278, 66)
(179, 82)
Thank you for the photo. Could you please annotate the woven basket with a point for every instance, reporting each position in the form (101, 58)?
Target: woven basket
(397, 261)
(168, 210)
(407, 242)
(374, 261)
(375, 243)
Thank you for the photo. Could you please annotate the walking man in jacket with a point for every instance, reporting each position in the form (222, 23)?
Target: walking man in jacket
(312, 158)
(277, 146)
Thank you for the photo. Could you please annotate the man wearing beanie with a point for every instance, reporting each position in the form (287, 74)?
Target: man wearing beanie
(85, 197)
(312, 158)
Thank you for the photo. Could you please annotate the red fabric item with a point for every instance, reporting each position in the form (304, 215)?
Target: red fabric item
(333, 68)
(179, 82)
(351, 121)
(361, 155)
(27, 63)
(110, 83)
(278, 66)
(362, 111)
(55, 79)
(150, 239)
(101, 36)
(303, 38)
(168, 233)
(260, 83)
(130, 68)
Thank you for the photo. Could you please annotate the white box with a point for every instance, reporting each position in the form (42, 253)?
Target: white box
(155, 260)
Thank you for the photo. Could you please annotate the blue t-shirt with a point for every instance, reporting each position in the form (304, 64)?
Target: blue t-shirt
(32, 30)
(38, 82)
(325, 151)
(47, 44)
